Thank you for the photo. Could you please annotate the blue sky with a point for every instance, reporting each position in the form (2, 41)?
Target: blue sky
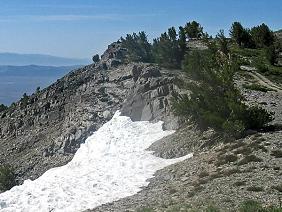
(80, 28)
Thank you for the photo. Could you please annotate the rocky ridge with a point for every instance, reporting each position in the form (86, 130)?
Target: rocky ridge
(220, 174)
(45, 129)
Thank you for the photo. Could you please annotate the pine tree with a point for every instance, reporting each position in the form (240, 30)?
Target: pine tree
(182, 43)
(262, 36)
(138, 47)
(241, 35)
(169, 49)
(223, 42)
(193, 30)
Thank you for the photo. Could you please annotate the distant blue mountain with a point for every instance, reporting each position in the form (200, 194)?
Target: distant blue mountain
(16, 59)
(35, 70)
(16, 80)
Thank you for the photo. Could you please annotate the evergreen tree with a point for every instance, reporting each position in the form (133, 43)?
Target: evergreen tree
(215, 101)
(169, 49)
(223, 42)
(37, 90)
(24, 100)
(262, 36)
(138, 47)
(3, 108)
(193, 30)
(96, 58)
(241, 35)
(271, 54)
(182, 43)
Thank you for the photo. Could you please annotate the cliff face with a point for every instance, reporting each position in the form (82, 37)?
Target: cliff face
(45, 129)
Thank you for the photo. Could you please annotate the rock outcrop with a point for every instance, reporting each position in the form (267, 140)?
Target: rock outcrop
(45, 129)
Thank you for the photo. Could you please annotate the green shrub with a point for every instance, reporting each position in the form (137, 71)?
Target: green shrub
(145, 210)
(215, 101)
(212, 209)
(240, 183)
(169, 48)
(248, 159)
(250, 206)
(271, 54)
(256, 117)
(233, 127)
(7, 178)
(276, 153)
(278, 187)
(253, 206)
(224, 159)
(138, 47)
(255, 188)
(3, 108)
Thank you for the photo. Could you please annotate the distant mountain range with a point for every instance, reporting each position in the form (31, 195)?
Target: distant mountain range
(16, 80)
(35, 70)
(16, 59)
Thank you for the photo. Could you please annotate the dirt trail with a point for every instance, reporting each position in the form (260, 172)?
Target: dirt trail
(262, 80)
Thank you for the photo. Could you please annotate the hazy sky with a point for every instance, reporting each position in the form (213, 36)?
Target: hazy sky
(80, 28)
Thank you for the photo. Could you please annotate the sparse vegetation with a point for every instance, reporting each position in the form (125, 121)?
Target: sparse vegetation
(248, 159)
(96, 58)
(7, 177)
(3, 108)
(278, 187)
(169, 48)
(239, 183)
(224, 159)
(277, 153)
(255, 189)
(24, 100)
(246, 206)
(253, 206)
(203, 174)
(215, 102)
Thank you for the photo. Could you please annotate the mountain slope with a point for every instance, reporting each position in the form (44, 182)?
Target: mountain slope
(45, 130)
(112, 157)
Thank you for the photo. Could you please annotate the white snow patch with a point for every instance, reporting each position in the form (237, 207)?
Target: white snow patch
(112, 164)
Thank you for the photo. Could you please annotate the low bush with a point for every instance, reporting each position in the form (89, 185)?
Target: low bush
(278, 187)
(249, 159)
(276, 153)
(240, 183)
(224, 159)
(215, 101)
(255, 188)
(3, 108)
(7, 178)
(253, 206)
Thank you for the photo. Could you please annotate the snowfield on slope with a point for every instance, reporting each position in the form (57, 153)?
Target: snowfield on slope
(112, 164)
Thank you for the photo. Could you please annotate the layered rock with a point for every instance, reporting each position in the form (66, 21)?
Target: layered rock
(46, 129)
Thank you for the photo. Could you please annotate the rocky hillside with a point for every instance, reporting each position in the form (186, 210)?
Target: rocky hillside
(220, 174)
(45, 129)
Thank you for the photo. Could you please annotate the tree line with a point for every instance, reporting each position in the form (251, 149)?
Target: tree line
(167, 50)
(215, 100)
(170, 48)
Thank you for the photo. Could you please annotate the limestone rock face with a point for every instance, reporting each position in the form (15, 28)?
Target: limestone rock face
(46, 130)
(150, 97)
